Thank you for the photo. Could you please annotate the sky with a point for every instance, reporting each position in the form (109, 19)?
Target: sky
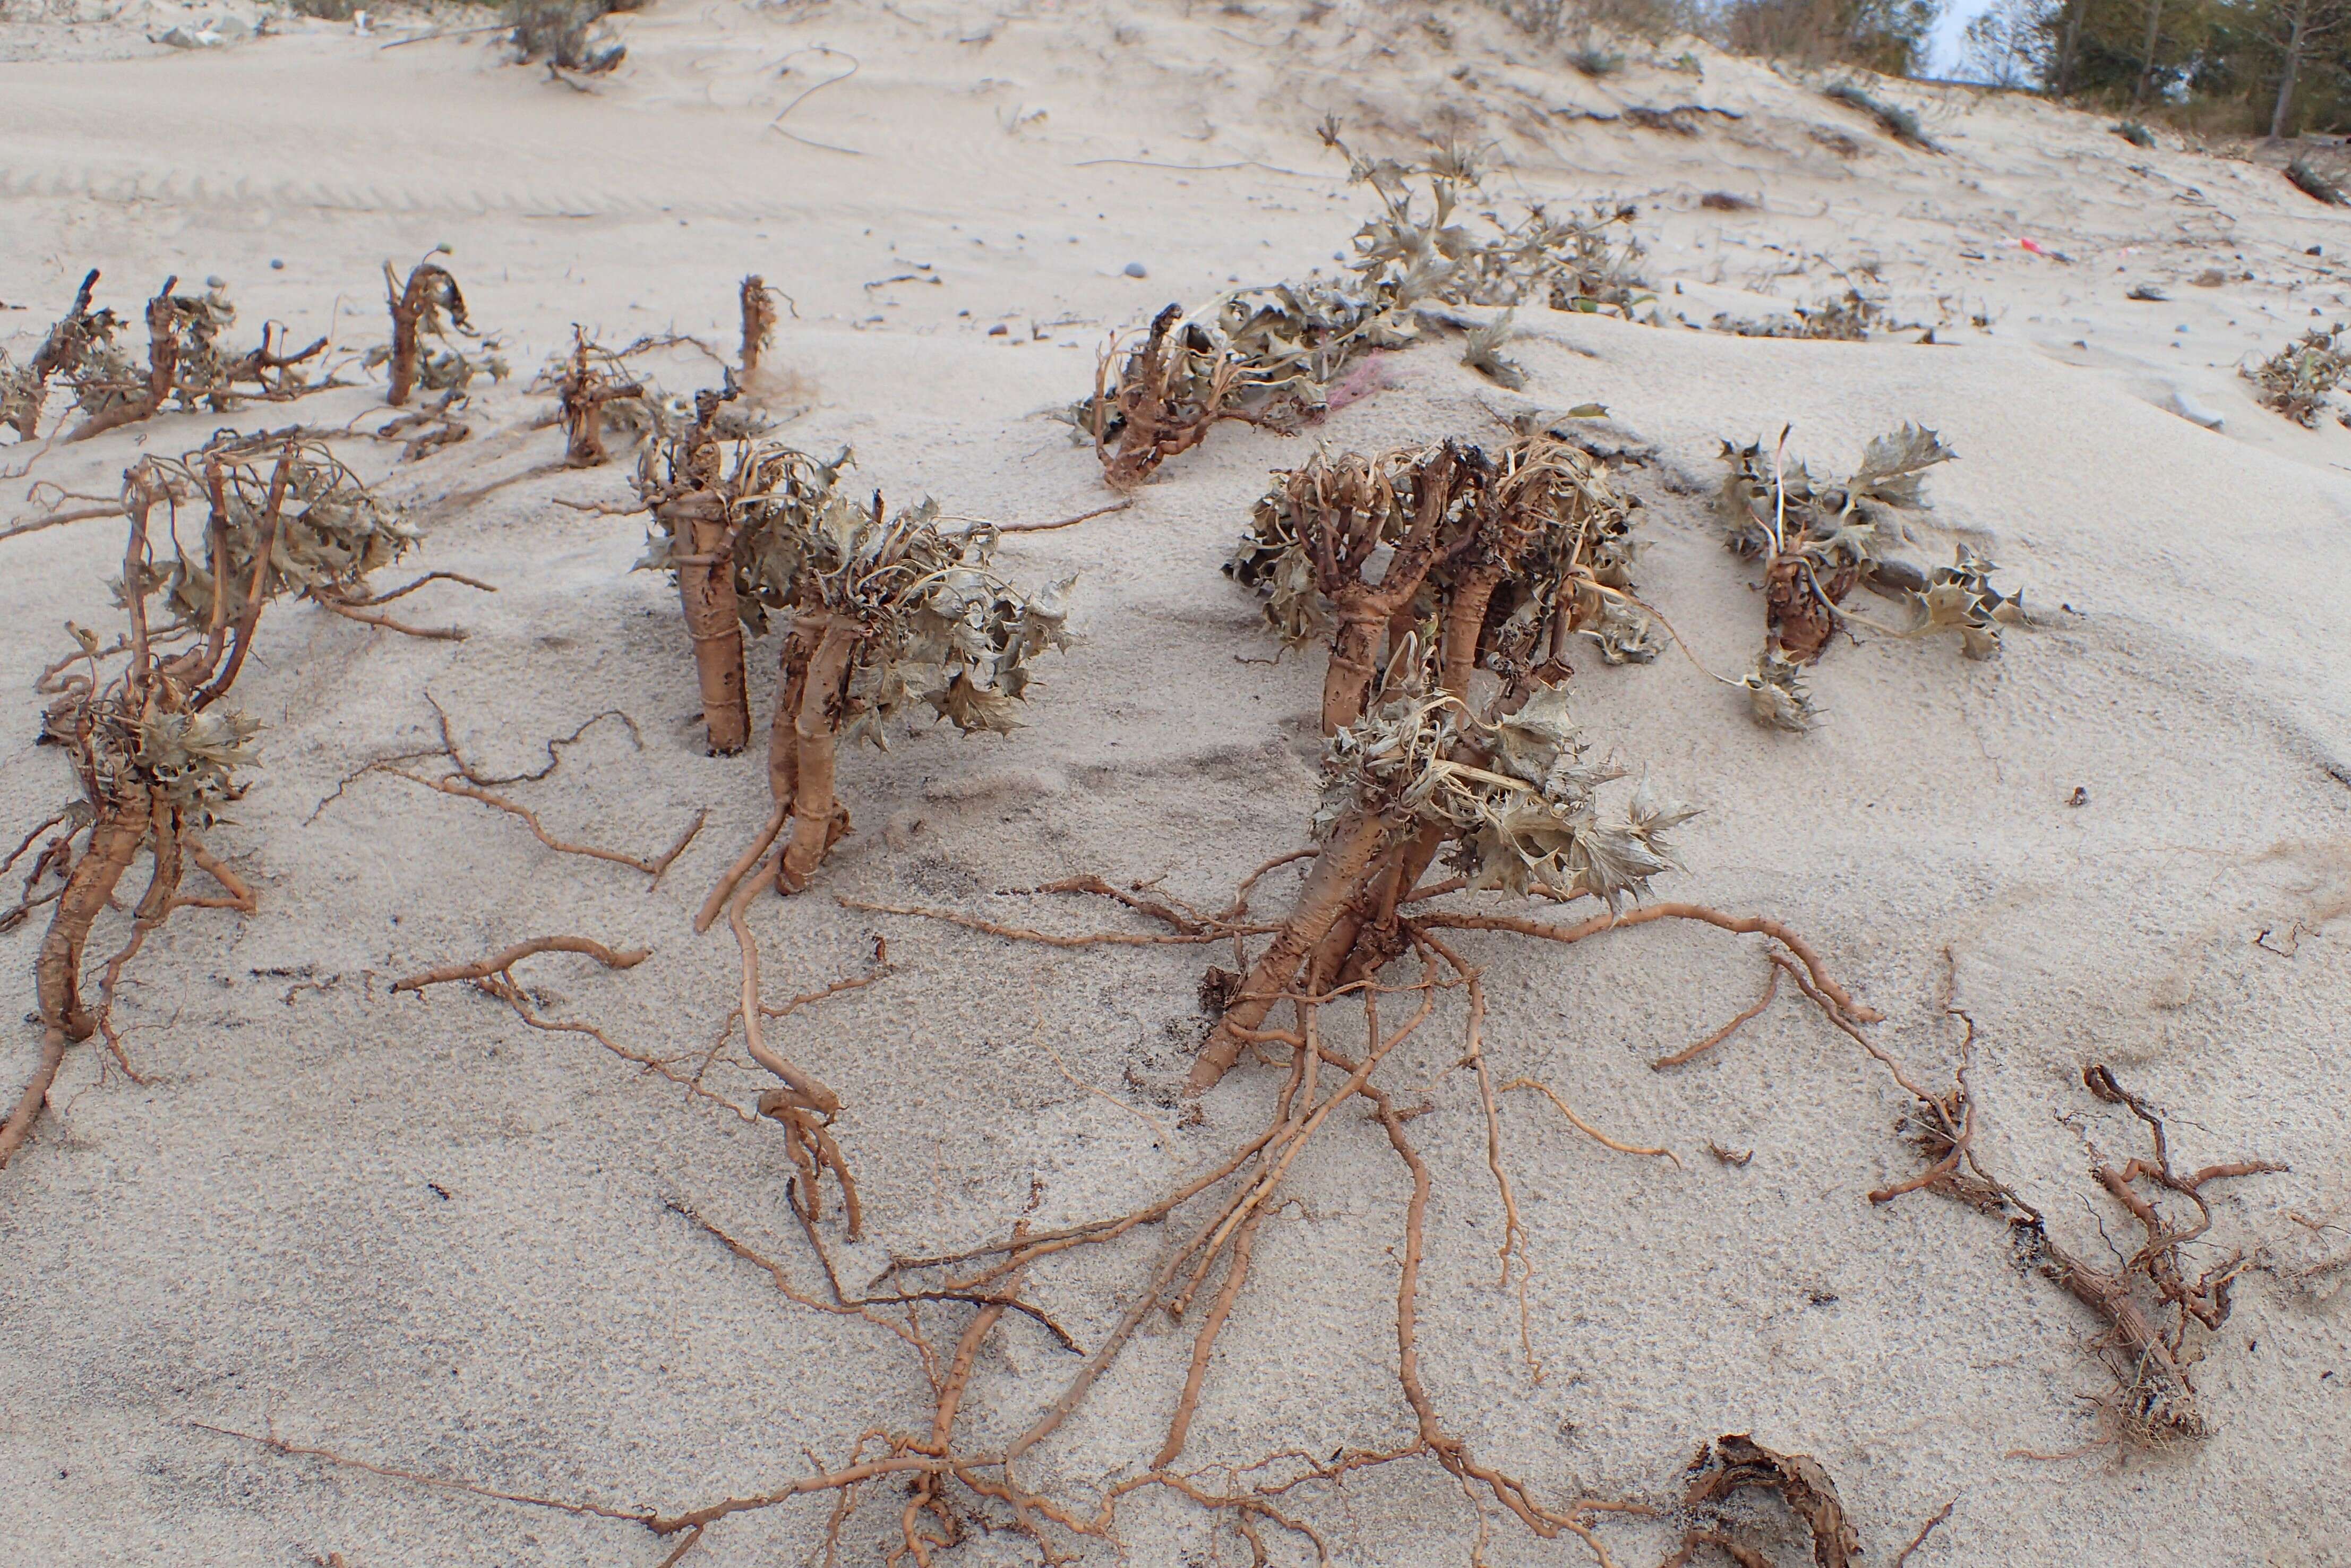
(1943, 42)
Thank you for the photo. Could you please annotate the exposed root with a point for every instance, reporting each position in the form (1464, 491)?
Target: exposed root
(2156, 1404)
(1586, 1128)
(494, 978)
(1736, 1461)
(655, 868)
(467, 781)
(1048, 938)
(1692, 1053)
(804, 1107)
(1924, 1531)
(1815, 970)
(501, 963)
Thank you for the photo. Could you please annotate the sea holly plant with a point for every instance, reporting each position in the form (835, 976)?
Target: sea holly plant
(318, 526)
(74, 349)
(156, 751)
(2298, 379)
(1272, 356)
(888, 615)
(1818, 541)
(429, 304)
(1485, 561)
(1511, 802)
(1504, 559)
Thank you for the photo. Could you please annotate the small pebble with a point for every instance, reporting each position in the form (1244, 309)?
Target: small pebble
(1136, 269)
(274, 264)
(998, 330)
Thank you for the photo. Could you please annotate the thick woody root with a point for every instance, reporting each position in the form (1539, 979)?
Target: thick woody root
(1166, 401)
(705, 587)
(759, 324)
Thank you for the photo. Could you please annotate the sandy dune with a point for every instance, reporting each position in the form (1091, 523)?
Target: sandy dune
(416, 1232)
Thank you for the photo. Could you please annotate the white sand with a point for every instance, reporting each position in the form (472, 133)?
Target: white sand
(417, 1233)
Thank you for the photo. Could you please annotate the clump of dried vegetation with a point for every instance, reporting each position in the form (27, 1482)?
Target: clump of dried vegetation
(428, 304)
(1818, 541)
(188, 366)
(1847, 318)
(601, 399)
(2299, 379)
(1897, 121)
(1273, 356)
(568, 34)
(2132, 131)
(889, 615)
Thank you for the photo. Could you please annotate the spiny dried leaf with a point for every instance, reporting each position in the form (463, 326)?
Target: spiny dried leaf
(1893, 466)
(1528, 817)
(937, 627)
(1482, 352)
(1777, 696)
(1960, 598)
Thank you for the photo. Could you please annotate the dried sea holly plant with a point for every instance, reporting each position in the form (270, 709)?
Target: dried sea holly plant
(1272, 356)
(318, 526)
(600, 398)
(1507, 559)
(1494, 562)
(74, 348)
(2297, 380)
(890, 616)
(1847, 318)
(1818, 541)
(187, 367)
(429, 304)
(887, 616)
(154, 750)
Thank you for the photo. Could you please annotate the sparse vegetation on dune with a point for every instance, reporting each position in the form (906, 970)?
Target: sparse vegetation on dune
(1448, 579)
(1273, 357)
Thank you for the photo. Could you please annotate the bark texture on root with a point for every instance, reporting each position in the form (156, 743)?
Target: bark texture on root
(705, 586)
